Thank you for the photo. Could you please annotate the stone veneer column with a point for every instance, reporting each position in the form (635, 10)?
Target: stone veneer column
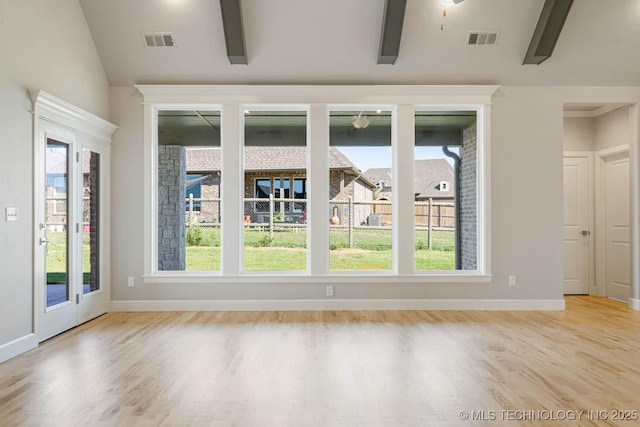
(467, 200)
(172, 176)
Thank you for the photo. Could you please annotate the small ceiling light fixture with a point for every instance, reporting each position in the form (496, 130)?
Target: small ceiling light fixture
(360, 121)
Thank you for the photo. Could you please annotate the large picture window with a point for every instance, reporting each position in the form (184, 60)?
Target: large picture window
(275, 158)
(188, 176)
(360, 199)
(445, 190)
(332, 191)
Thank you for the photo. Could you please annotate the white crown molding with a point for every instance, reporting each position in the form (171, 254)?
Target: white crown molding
(340, 304)
(65, 114)
(595, 112)
(331, 94)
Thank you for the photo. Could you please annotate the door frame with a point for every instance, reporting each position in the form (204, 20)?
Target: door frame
(601, 218)
(589, 155)
(57, 118)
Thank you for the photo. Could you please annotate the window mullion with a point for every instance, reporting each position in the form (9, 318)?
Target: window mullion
(403, 192)
(232, 189)
(318, 189)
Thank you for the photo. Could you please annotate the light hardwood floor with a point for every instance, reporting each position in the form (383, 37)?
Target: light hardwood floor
(376, 368)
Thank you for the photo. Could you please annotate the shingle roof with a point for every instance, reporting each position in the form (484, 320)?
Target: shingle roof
(263, 158)
(428, 176)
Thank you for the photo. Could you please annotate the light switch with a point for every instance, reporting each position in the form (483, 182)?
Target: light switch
(11, 214)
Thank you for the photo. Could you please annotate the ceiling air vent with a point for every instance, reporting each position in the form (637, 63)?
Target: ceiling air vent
(482, 38)
(158, 39)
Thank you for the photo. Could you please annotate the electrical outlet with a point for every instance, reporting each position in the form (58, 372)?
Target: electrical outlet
(329, 291)
(131, 282)
(512, 280)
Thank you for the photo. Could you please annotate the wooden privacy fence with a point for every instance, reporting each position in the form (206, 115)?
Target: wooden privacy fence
(348, 215)
(436, 214)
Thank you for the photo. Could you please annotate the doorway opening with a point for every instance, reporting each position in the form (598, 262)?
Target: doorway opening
(596, 193)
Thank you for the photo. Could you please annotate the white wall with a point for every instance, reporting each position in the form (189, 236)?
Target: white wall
(527, 127)
(579, 134)
(612, 129)
(44, 44)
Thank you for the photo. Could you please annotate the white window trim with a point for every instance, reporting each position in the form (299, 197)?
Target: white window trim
(318, 101)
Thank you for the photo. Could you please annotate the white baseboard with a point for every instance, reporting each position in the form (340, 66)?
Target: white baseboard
(339, 304)
(18, 346)
(634, 304)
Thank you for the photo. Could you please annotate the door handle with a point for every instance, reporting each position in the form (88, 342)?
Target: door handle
(43, 241)
(585, 232)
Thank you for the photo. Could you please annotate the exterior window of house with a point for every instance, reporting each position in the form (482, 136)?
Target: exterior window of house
(188, 231)
(445, 177)
(300, 193)
(194, 192)
(275, 161)
(281, 191)
(359, 210)
(263, 190)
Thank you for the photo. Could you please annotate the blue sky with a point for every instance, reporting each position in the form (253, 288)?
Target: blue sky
(380, 157)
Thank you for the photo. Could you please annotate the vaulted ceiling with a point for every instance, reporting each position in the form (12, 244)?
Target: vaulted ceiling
(337, 42)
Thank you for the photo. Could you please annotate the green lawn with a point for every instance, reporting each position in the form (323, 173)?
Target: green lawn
(286, 251)
(374, 240)
(57, 257)
(202, 258)
(371, 251)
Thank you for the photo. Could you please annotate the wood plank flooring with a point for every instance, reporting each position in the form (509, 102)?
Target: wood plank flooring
(372, 368)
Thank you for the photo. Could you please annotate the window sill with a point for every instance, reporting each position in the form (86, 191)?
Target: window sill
(329, 279)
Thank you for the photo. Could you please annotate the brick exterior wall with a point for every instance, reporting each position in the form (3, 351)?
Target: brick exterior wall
(94, 209)
(171, 207)
(351, 188)
(468, 208)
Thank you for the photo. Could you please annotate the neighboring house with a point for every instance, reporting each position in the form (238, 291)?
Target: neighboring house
(434, 180)
(280, 171)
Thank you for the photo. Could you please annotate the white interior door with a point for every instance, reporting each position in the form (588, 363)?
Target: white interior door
(617, 213)
(576, 235)
(69, 247)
